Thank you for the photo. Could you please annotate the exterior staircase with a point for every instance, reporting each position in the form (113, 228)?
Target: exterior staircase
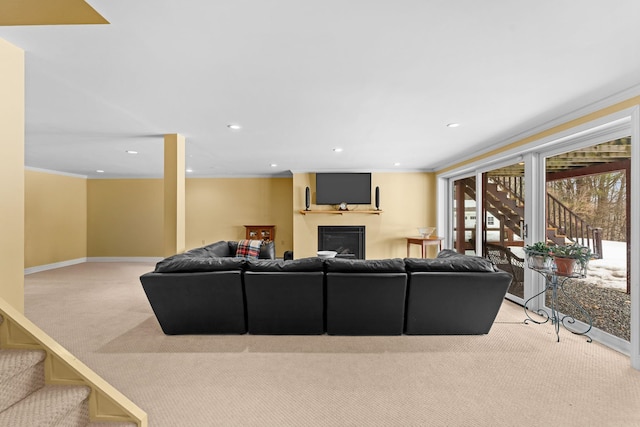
(505, 205)
(40, 386)
(505, 201)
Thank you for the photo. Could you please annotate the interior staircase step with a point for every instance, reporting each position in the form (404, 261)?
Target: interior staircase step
(25, 400)
(21, 373)
(111, 424)
(52, 405)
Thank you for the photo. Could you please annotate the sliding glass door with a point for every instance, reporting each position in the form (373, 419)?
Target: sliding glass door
(503, 223)
(487, 219)
(588, 203)
(464, 215)
(575, 186)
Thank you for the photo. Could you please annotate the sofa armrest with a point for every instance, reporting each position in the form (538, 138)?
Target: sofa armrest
(454, 302)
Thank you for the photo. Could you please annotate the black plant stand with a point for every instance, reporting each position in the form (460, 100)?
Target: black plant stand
(554, 281)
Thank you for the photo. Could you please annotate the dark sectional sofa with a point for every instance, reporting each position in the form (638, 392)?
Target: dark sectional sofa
(365, 297)
(210, 291)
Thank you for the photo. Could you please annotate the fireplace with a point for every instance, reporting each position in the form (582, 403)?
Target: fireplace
(348, 241)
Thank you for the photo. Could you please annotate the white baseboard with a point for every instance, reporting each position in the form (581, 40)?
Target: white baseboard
(45, 267)
(124, 259)
(70, 262)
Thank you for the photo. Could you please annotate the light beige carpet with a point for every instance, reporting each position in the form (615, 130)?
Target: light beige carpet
(516, 375)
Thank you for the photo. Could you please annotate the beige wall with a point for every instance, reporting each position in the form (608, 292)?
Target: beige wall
(12, 175)
(406, 199)
(124, 217)
(55, 218)
(218, 209)
(174, 227)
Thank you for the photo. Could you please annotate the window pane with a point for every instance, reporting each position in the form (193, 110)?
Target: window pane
(464, 196)
(503, 213)
(587, 203)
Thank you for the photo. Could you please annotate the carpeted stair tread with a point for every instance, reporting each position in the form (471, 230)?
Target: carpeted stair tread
(52, 405)
(21, 373)
(111, 424)
(12, 362)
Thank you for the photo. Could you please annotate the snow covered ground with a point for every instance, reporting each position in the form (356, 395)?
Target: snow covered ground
(611, 271)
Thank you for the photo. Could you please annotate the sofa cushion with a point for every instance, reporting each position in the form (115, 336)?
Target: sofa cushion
(267, 250)
(342, 265)
(248, 249)
(450, 262)
(279, 265)
(189, 263)
(219, 249)
(449, 253)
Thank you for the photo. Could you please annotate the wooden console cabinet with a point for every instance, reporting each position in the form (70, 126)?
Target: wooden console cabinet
(260, 232)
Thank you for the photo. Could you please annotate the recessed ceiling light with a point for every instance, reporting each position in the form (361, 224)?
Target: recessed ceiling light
(189, 170)
(396, 164)
(273, 165)
(132, 152)
(234, 126)
(453, 125)
(337, 150)
(100, 171)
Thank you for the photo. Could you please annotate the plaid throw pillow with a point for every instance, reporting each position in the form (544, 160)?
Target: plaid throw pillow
(249, 249)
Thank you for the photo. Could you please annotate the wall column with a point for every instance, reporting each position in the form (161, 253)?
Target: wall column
(12, 175)
(174, 194)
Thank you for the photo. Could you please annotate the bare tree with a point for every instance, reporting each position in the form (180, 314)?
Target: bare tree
(598, 199)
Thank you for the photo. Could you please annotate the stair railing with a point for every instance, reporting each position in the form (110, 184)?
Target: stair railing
(558, 215)
(573, 226)
(106, 404)
(513, 184)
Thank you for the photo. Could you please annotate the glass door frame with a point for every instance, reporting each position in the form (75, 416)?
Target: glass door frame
(572, 144)
(622, 123)
(531, 282)
(478, 173)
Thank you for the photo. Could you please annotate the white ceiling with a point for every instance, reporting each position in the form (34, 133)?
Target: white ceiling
(378, 78)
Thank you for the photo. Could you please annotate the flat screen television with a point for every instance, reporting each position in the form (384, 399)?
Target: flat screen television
(335, 188)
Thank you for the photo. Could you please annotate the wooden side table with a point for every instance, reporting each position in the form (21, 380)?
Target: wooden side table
(424, 242)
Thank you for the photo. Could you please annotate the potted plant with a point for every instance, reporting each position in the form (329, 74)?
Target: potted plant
(567, 256)
(538, 256)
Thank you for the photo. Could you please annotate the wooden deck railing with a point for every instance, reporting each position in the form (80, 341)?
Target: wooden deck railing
(573, 226)
(559, 216)
(513, 184)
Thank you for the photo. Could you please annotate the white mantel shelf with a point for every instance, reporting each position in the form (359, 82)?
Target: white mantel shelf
(303, 212)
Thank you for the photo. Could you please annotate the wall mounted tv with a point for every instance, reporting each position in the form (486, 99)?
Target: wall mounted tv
(335, 188)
